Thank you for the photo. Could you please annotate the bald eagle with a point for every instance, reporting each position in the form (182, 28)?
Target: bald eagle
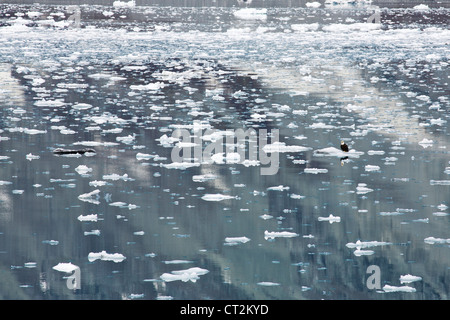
(344, 147)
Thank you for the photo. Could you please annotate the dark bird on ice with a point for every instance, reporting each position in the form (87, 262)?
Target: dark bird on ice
(344, 147)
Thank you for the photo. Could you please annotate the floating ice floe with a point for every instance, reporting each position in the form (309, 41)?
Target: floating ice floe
(180, 165)
(49, 103)
(221, 158)
(33, 131)
(31, 157)
(425, 143)
(149, 87)
(95, 143)
(279, 234)
(421, 7)
(363, 189)
(116, 177)
(177, 261)
(315, 170)
(371, 168)
(83, 170)
(433, 240)
(217, 197)
(88, 217)
(81, 106)
(366, 244)
(91, 197)
(375, 152)
(440, 182)
(268, 284)
(330, 219)
(203, 177)
(313, 4)
(360, 252)
(388, 288)
(407, 278)
(103, 255)
(65, 267)
(236, 240)
(335, 152)
(124, 4)
(251, 14)
(191, 274)
(92, 233)
(282, 147)
(278, 188)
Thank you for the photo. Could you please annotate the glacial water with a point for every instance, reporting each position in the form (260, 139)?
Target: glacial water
(128, 222)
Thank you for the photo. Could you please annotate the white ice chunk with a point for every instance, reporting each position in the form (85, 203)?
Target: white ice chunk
(88, 217)
(278, 188)
(91, 197)
(433, 240)
(279, 234)
(203, 177)
(124, 4)
(407, 278)
(65, 267)
(236, 240)
(282, 147)
(371, 168)
(388, 288)
(31, 157)
(217, 197)
(150, 87)
(103, 255)
(315, 170)
(191, 274)
(251, 14)
(363, 189)
(366, 244)
(268, 284)
(181, 165)
(330, 219)
(82, 106)
(82, 169)
(116, 177)
(425, 143)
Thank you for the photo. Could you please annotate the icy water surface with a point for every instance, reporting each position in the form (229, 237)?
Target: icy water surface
(130, 223)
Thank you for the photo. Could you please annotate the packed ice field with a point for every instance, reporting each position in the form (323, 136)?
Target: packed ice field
(126, 221)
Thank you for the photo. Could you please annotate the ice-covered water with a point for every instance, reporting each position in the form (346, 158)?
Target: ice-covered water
(134, 222)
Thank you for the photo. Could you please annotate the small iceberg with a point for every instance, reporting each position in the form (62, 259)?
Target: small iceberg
(103, 255)
(426, 143)
(282, 147)
(370, 168)
(268, 284)
(191, 274)
(251, 14)
(407, 278)
(433, 240)
(282, 234)
(315, 170)
(278, 188)
(65, 267)
(216, 197)
(91, 197)
(388, 288)
(231, 241)
(330, 219)
(363, 189)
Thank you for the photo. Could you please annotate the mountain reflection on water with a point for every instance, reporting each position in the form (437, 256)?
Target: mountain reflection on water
(128, 77)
